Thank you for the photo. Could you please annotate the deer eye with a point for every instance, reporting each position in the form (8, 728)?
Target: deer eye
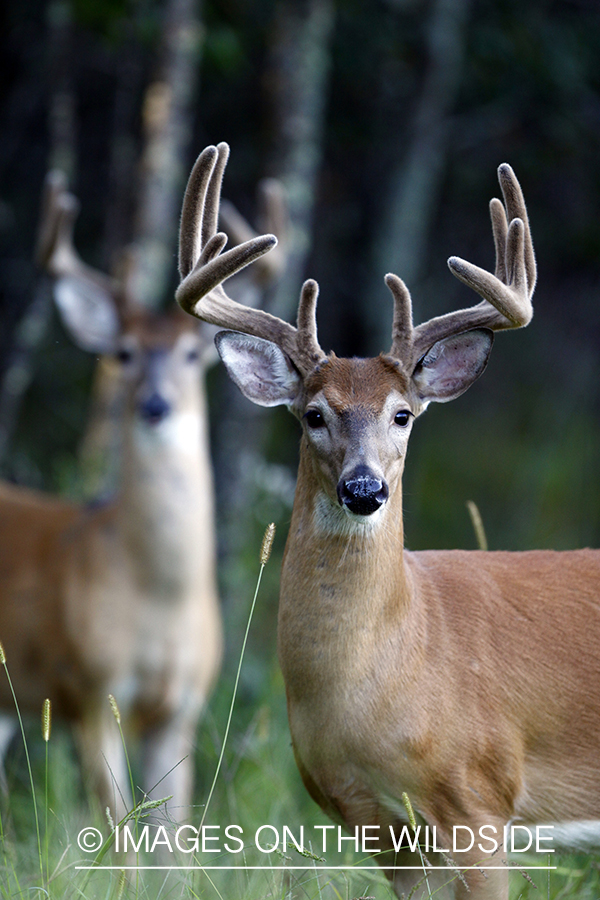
(314, 419)
(402, 418)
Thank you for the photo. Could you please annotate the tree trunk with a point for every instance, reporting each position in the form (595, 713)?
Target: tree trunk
(296, 82)
(167, 123)
(167, 114)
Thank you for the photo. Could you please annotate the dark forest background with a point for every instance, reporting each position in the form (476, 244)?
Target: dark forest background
(385, 121)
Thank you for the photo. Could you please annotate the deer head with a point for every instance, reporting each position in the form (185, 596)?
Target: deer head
(356, 414)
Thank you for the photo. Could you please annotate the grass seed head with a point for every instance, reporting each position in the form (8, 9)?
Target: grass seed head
(115, 708)
(409, 810)
(122, 884)
(267, 544)
(46, 720)
(2, 654)
(478, 526)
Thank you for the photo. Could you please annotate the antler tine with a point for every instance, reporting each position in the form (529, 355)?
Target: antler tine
(235, 224)
(516, 209)
(210, 217)
(507, 294)
(204, 267)
(308, 351)
(273, 218)
(55, 185)
(273, 207)
(190, 235)
(56, 251)
(402, 327)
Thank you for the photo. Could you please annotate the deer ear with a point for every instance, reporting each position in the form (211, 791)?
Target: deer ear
(261, 370)
(451, 365)
(88, 312)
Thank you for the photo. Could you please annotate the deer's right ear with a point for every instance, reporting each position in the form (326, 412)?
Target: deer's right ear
(260, 369)
(88, 312)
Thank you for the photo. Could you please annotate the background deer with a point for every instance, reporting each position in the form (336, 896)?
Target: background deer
(120, 597)
(469, 680)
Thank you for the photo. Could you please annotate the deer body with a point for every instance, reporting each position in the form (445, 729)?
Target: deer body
(423, 702)
(417, 650)
(468, 680)
(120, 597)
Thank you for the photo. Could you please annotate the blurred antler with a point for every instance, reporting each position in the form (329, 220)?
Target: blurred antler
(55, 250)
(273, 218)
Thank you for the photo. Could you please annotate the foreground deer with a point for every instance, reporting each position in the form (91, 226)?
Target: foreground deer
(469, 680)
(120, 598)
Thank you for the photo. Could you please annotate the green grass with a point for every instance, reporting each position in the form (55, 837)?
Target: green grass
(258, 784)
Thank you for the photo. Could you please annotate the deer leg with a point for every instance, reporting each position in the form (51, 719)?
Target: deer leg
(485, 874)
(458, 872)
(103, 758)
(8, 728)
(168, 761)
(412, 876)
(421, 883)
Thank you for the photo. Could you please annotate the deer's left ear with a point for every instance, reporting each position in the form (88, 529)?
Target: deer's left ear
(451, 365)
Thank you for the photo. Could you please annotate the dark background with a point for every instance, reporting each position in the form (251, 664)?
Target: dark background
(386, 122)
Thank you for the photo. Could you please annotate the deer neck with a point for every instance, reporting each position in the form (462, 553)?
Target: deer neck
(166, 504)
(342, 584)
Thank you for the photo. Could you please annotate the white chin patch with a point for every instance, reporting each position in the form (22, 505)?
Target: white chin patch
(180, 431)
(332, 518)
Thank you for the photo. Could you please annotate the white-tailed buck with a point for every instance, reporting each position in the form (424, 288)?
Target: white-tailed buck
(120, 597)
(468, 680)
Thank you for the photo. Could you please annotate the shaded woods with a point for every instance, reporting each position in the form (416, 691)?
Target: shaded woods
(385, 122)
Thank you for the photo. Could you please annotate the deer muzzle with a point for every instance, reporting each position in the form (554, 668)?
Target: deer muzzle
(362, 492)
(154, 409)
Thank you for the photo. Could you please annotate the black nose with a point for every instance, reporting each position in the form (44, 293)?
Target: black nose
(154, 409)
(362, 492)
